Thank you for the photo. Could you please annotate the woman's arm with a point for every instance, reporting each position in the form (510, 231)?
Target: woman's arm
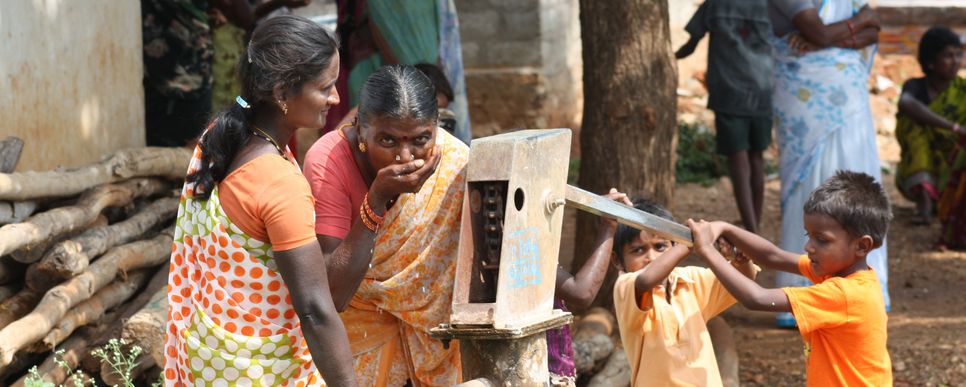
(324, 333)
(267, 7)
(864, 38)
(810, 26)
(349, 258)
(919, 112)
(238, 12)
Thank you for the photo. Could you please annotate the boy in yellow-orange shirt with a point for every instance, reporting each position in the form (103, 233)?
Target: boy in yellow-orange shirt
(842, 317)
(662, 310)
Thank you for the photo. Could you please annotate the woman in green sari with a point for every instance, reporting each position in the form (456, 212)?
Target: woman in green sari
(931, 110)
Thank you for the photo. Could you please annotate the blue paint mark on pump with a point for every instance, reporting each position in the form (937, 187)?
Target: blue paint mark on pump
(524, 254)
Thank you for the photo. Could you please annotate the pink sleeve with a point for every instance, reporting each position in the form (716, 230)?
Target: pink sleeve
(333, 204)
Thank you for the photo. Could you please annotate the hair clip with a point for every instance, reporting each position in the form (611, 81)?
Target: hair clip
(248, 52)
(241, 102)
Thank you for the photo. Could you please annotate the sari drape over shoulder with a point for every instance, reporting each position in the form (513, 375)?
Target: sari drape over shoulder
(230, 316)
(408, 288)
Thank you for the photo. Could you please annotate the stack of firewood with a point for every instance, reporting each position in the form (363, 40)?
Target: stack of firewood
(83, 259)
(598, 356)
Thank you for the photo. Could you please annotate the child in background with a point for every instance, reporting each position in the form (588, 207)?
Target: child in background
(842, 317)
(579, 291)
(739, 82)
(663, 310)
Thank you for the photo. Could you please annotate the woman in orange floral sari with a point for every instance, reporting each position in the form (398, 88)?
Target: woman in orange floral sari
(389, 192)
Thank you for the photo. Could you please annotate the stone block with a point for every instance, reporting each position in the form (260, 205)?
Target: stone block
(479, 26)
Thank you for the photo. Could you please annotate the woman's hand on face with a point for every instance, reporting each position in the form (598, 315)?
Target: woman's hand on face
(396, 179)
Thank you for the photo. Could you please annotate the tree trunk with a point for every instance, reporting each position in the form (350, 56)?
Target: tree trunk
(628, 136)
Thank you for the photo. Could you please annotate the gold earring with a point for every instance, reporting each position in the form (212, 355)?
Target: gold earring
(362, 147)
(284, 107)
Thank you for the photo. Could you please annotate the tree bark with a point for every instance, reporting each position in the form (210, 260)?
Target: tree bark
(94, 308)
(170, 163)
(628, 136)
(70, 257)
(60, 299)
(50, 224)
(34, 252)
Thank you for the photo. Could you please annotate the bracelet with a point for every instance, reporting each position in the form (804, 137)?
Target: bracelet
(852, 32)
(372, 214)
(369, 223)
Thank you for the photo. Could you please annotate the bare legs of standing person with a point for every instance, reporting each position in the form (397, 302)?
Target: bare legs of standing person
(748, 181)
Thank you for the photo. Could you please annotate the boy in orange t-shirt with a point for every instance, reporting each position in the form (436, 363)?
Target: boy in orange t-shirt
(842, 317)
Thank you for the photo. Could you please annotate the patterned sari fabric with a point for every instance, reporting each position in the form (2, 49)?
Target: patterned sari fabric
(823, 124)
(926, 150)
(230, 316)
(408, 288)
(950, 164)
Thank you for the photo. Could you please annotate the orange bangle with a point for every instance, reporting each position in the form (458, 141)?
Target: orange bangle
(372, 214)
(369, 223)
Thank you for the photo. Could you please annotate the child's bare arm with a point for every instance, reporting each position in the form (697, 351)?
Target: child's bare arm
(745, 290)
(579, 291)
(656, 271)
(757, 248)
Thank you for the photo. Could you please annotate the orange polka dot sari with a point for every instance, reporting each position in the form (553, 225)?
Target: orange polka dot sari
(409, 287)
(230, 316)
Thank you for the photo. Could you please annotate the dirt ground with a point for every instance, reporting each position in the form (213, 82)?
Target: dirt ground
(928, 317)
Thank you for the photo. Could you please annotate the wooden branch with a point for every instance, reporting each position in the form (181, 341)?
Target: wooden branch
(15, 212)
(76, 348)
(34, 252)
(616, 371)
(94, 308)
(14, 308)
(169, 163)
(68, 258)
(55, 304)
(7, 291)
(10, 270)
(146, 327)
(50, 224)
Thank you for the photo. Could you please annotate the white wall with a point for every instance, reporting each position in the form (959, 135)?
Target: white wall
(70, 79)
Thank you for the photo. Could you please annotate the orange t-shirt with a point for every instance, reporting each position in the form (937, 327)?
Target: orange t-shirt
(843, 323)
(269, 200)
(336, 183)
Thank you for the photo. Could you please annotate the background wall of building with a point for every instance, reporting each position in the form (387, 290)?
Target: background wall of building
(71, 79)
(522, 63)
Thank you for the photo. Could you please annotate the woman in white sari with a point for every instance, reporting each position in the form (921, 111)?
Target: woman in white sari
(823, 53)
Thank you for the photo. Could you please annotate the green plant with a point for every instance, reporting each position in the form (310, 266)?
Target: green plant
(697, 160)
(122, 364)
(77, 378)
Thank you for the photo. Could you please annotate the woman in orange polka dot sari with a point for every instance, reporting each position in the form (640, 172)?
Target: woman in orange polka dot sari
(392, 273)
(248, 296)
